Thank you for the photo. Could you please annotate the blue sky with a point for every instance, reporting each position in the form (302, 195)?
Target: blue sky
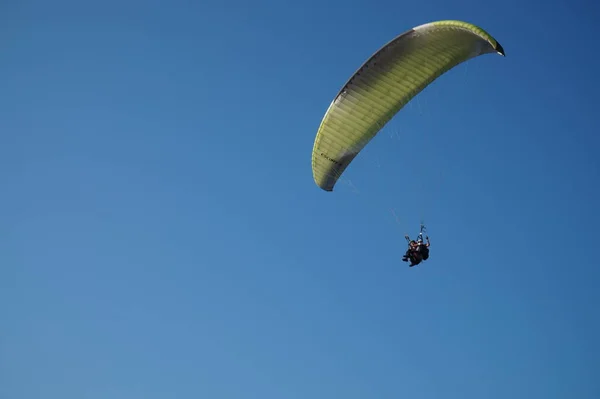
(162, 236)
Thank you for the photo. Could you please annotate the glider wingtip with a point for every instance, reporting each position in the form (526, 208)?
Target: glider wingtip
(500, 50)
(324, 186)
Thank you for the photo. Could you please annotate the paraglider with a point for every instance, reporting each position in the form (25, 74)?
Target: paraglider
(382, 86)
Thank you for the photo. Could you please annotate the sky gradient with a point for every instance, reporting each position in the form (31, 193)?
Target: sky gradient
(162, 236)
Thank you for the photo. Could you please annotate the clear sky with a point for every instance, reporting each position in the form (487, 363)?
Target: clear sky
(162, 237)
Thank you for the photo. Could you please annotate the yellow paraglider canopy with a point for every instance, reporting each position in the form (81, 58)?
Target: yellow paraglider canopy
(384, 84)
